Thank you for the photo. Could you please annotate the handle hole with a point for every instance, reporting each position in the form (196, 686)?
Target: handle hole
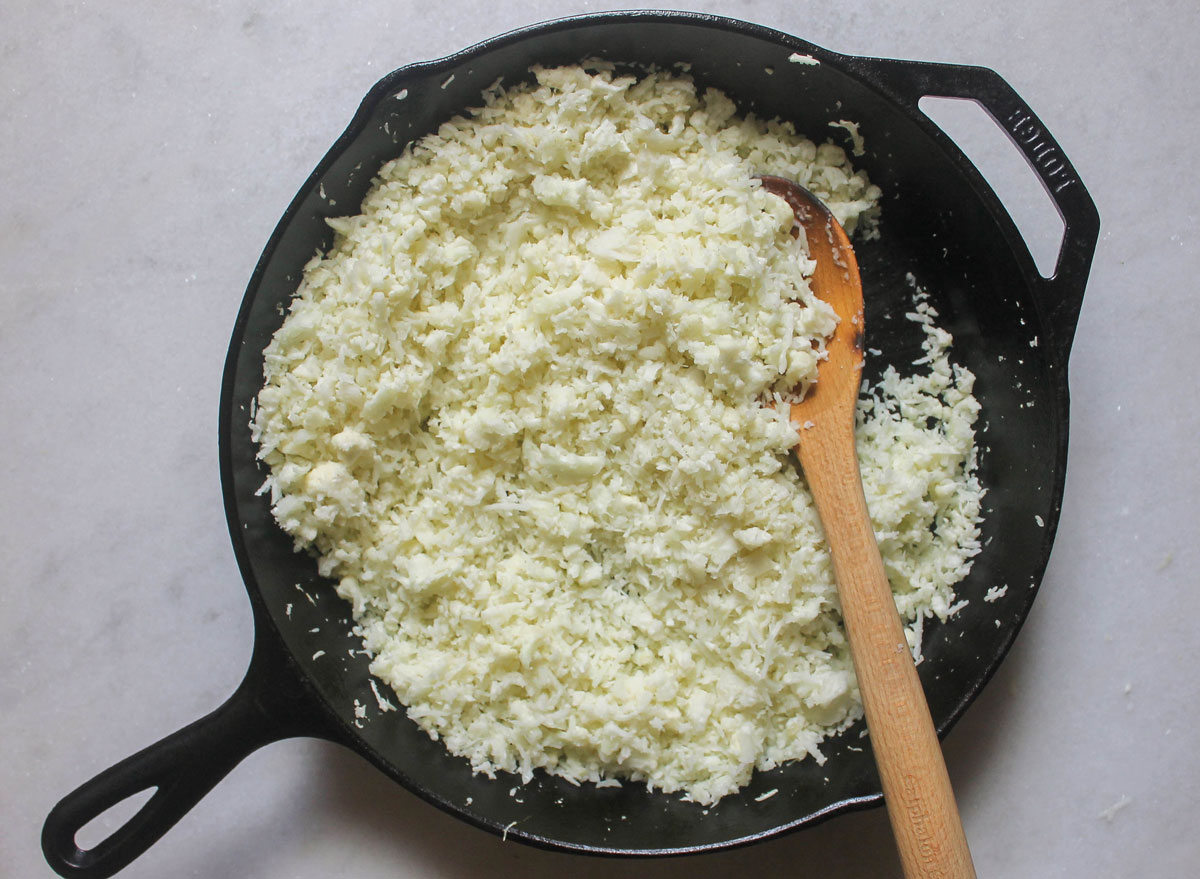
(111, 820)
(1008, 173)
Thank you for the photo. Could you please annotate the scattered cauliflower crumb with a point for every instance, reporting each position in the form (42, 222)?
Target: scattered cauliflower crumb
(856, 139)
(517, 413)
(1111, 812)
(380, 700)
(996, 593)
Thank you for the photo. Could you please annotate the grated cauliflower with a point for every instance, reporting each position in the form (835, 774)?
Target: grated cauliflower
(520, 412)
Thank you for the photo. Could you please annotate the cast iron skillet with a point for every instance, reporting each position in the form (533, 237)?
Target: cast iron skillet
(941, 222)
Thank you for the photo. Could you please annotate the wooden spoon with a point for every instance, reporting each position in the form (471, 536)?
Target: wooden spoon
(916, 786)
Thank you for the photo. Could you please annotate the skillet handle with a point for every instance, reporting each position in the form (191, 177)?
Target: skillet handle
(1062, 293)
(269, 705)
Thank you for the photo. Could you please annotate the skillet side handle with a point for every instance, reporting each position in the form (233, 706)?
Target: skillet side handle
(1062, 293)
(269, 705)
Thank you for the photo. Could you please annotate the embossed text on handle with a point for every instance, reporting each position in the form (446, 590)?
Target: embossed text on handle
(1044, 155)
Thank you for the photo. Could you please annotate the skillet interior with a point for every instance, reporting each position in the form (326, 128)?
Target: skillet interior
(937, 224)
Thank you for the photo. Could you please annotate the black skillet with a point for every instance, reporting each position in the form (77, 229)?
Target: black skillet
(941, 222)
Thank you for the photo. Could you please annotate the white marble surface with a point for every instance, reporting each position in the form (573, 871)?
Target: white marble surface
(146, 151)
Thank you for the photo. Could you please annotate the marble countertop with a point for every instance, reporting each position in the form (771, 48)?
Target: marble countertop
(146, 152)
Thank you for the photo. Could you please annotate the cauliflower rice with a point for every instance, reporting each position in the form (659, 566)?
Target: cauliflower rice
(520, 412)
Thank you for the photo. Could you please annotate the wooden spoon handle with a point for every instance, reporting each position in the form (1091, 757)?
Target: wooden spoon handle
(916, 786)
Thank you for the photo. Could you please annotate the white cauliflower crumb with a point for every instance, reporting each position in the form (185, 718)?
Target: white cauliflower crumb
(384, 704)
(1111, 812)
(858, 145)
(517, 413)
